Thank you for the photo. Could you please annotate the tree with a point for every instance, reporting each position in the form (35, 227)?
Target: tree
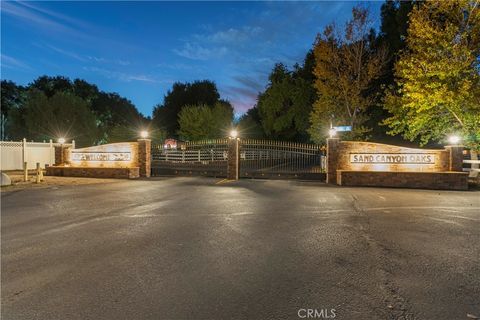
(62, 115)
(347, 64)
(437, 88)
(285, 105)
(205, 122)
(182, 94)
(249, 125)
(12, 100)
(113, 111)
(51, 85)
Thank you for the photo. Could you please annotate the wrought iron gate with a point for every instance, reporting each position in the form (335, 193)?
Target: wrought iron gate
(258, 159)
(280, 159)
(208, 157)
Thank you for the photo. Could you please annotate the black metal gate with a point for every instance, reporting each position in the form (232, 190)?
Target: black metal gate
(280, 159)
(258, 159)
(208, 157)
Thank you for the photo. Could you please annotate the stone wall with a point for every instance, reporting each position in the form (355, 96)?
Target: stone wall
(114, 160)
(346, 148)
(422, 180)
(91, 172)
(375, 164)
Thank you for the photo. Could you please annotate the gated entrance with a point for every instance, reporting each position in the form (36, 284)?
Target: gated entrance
(280, 159)
(208, 157)
(258, 159)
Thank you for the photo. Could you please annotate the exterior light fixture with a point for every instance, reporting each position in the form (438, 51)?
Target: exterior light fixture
(61, 140)
(144, 134)
(233, 133)
(454, 139)
(332, 132)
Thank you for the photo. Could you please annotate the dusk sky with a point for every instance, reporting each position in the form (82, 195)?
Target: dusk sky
(139, 49)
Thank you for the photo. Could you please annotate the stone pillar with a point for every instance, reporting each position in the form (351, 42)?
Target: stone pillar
(62, 155)
(233, 166)
(455, 157)
(332, 159)
(144, 157)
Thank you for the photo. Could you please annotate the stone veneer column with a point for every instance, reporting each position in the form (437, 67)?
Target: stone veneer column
(332, 159)
(61, 155)
(233, 163)
(455, 158)
(144, 157)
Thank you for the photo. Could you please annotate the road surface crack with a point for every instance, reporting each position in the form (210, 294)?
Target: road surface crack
(397, 305)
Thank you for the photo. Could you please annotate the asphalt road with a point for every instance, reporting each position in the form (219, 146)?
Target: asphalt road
(188, 248)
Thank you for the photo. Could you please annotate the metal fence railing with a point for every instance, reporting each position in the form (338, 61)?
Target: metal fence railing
(207, 157)
(258, 158)
(267, 157)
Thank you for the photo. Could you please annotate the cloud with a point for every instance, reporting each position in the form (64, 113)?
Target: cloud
(195, 51)
(67, 53)
(229, 36)
(12, 63)
(28, 14)
(125, 77)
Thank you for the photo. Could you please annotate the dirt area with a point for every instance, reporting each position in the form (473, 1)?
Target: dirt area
(18, 183)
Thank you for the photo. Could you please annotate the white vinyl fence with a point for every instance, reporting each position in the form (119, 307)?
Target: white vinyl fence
(15, 153)
(473, 171)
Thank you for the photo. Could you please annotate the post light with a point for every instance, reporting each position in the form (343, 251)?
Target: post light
(61, 140)
(233, 133)
(332, 132)
(144, 134)
(454, 139)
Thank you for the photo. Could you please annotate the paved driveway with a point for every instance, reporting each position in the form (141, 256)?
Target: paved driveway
(188, 248)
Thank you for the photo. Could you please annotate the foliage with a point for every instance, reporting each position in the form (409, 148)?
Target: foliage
(61, 115)
(205, 122)
(249, 125)
(285, 105)
(347, 64)
(12, 98)
(166, 115)
(111, 111)
(438, 81)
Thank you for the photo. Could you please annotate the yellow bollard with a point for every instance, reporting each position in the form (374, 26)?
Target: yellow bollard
(39, 176)
(25, 172)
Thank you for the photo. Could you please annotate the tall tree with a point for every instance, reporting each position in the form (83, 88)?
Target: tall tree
(205, 122)
(285, 105)
(62, 114)
(438, 77)
(347, 64)
(12, 101)
(182, 94)
(249, 124)
(113, 111)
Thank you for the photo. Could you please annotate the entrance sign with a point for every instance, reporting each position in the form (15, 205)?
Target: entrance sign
(113, 155)
(114, 160)
(361, 163)
(343, 128)
(101, 156)
(401, 158)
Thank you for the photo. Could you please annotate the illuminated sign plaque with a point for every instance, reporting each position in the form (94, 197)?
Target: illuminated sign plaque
(393, 158)
(101, 156)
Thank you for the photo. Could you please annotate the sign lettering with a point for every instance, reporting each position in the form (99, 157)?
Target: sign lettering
(101, 156)
(393, 158)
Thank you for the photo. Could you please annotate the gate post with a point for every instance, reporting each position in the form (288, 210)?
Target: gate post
(144, 157)
(455, 157)
(332, 159)
(233, 162)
